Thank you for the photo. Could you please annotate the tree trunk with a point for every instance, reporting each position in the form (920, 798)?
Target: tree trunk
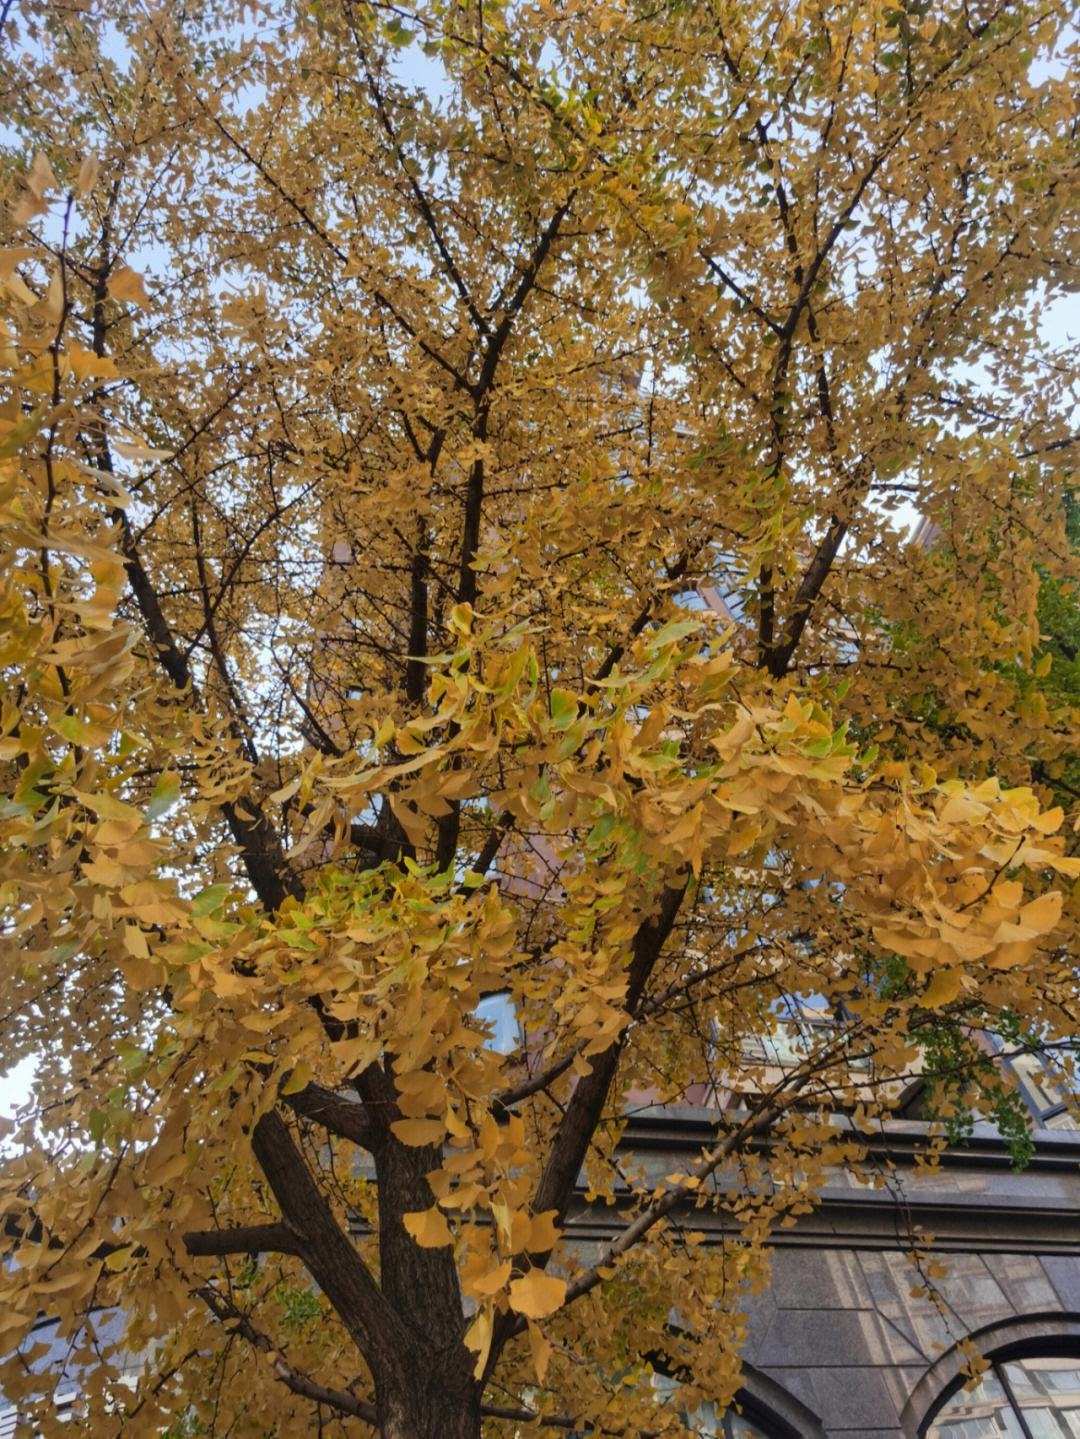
(429, 1399)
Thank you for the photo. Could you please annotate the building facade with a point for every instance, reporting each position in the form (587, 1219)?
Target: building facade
(848, 1343)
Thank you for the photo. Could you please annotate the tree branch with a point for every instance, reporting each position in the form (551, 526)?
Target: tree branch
(271, 876)
(339, 1399)
(753, 1126)
(340, 1111)
(586, 1105)
(325, 1248)
(243, 1239)
(423, 204)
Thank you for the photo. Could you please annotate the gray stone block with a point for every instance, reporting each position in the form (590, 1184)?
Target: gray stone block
(819, 1340)
(799, 1383)
(817, 1279)
(1024, 1282)
(760, 1311)
(1064, 1274)
(862, 1400)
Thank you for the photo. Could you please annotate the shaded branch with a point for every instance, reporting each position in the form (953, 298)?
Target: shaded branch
(335, 1110)
(327, 1251)
(261, 852)
(338, 1399)
(243, 1239)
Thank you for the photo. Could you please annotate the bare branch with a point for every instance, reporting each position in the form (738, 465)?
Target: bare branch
(243, 1239)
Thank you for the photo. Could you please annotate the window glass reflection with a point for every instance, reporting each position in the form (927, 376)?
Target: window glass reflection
(1021, 1399)
(740, 1428)
(705, 1422)
(980, 1413)
(1047, 1392)
(1042, 1088)
(1062, 1120)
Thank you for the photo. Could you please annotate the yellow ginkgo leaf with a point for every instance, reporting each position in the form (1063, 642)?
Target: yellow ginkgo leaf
(298, 1079)
(85, 365)
(126, 285)
(478, 1339)
(483, 1275)
(1042, 914)
(541, 1352)
(88, 174)
(40, 177)
(543, 1235)
(416, 1132)
(421, 1093)
(428, 1228)
(119, 1258)
(943, 988)
(536, 1294)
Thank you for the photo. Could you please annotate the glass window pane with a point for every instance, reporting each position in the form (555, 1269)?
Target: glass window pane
(1042, 1088)
(1048, 1392)
(979, 1413)
(1064, 1120)
(499, 1013)
(1036, 1377)
(1043, 1423)
(691, 600)
(1045, 1390)
(704, 1420)
(740, 1427)
(1002, 1424)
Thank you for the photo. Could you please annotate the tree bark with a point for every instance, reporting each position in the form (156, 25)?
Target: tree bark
(430, 1396)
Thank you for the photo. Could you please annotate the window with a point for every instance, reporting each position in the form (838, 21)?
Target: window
(801, 1025)
(497, 1012)
(65, 1411)
(1044, 1091)
(706, 1423)
(1036, 1398)
(731, 1426)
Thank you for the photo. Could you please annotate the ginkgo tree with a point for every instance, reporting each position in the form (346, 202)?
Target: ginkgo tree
(384, 386)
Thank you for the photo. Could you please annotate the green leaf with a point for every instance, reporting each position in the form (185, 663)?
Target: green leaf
(209, 899)
(166, 793)
(676, 630)
(25, 430)
(397, 33)
(564, 708)
(298, 1079)
(71, 727)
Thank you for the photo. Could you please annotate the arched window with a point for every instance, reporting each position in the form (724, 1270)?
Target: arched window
(747, 1420)
(1036, 1397)
(706, 1423)
(1045, 1089)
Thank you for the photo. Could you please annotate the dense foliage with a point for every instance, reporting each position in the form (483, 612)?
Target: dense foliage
(385, 384)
